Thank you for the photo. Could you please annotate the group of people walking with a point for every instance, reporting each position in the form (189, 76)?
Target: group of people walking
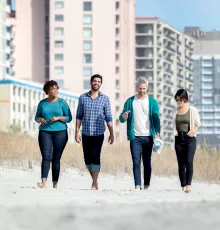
(141, 112)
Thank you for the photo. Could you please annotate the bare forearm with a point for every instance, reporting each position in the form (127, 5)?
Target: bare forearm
(63, 119)
(195, 129)
(110, 128)
(78, 125)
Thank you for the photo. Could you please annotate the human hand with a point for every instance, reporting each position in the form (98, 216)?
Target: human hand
(41, 120)
(53, 119)
(191, 133)
(77, 138)
(111, 139)
(125, 115)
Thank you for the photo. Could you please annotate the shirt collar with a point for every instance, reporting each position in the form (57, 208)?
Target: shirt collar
(89, 94)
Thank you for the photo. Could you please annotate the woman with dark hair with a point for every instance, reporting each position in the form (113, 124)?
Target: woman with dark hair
(52, 113)
(186, 122)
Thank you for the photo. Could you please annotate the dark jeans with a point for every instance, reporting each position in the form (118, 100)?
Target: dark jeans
(185, 147)
(141, 145)
(92, 146)
(52, 145)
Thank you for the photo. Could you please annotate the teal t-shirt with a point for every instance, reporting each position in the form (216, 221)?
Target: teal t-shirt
(48, 110)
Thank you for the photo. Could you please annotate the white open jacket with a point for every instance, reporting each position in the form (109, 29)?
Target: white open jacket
(194, 119)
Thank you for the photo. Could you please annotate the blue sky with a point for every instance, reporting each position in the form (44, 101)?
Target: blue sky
(181, 13)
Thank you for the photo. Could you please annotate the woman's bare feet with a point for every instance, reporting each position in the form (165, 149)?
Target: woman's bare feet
(94, 186)
(184, 189)
(42, 184)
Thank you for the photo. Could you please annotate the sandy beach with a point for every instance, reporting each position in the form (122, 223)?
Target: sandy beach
(73, 205)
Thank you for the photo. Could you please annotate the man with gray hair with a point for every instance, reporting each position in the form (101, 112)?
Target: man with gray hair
(143, 126)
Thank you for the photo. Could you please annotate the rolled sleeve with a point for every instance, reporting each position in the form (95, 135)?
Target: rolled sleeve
(79, 112)
(108, 113)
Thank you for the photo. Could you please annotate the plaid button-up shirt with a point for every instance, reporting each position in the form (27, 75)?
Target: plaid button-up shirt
(93, 113)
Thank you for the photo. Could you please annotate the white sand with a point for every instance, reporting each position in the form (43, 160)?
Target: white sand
(74, 206)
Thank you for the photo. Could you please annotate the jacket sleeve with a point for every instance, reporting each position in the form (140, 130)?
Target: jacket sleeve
(156, 118)
(121, 119)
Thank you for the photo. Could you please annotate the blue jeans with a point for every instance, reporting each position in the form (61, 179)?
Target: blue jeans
(52, 145)
(141, 146)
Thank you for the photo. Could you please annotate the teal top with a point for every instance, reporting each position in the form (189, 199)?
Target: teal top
(153, 117)
(48, 110)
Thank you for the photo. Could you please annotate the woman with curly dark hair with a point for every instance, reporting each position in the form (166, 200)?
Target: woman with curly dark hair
(52, 113)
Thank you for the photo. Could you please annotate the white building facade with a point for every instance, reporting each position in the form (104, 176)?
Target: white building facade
(164, 56)
(18, 105)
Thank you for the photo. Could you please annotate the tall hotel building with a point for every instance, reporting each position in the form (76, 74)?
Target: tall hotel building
(164, 56)
(207, 80)
(5, 38)
(69, 41)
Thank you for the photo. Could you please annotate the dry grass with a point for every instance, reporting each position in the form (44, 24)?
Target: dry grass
(23, 151)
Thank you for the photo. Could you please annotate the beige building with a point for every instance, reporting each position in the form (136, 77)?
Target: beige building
(5, 38)
(28, 29)
(69, 41)
(164, 56)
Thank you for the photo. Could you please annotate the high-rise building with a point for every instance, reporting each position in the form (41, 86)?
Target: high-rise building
(207, 80)
(69, 41)
(5, 37)
(164, 56)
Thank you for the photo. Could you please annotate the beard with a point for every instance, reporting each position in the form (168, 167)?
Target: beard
(97, 87)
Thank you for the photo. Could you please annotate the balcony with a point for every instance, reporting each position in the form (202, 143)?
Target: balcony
(207, 64)
(8, 36)
(8, 49)
(207, 72)
(7, 9)
(170, 36)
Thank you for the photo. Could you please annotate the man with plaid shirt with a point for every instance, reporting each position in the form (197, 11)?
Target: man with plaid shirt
(93, 111)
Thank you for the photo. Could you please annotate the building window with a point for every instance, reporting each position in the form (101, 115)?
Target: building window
(60, 82)
(87, 19)
(59, 18)
(14, 90)
(87, 71)
(59, 70)
(87, 45)
(14, 107)
(87, 6)
(59, 57)
(117, 5)
(59, 31)
(24, 109)
(87, 84)
(59, 44)
(87, 32)
(59, 4)
(87, 58)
